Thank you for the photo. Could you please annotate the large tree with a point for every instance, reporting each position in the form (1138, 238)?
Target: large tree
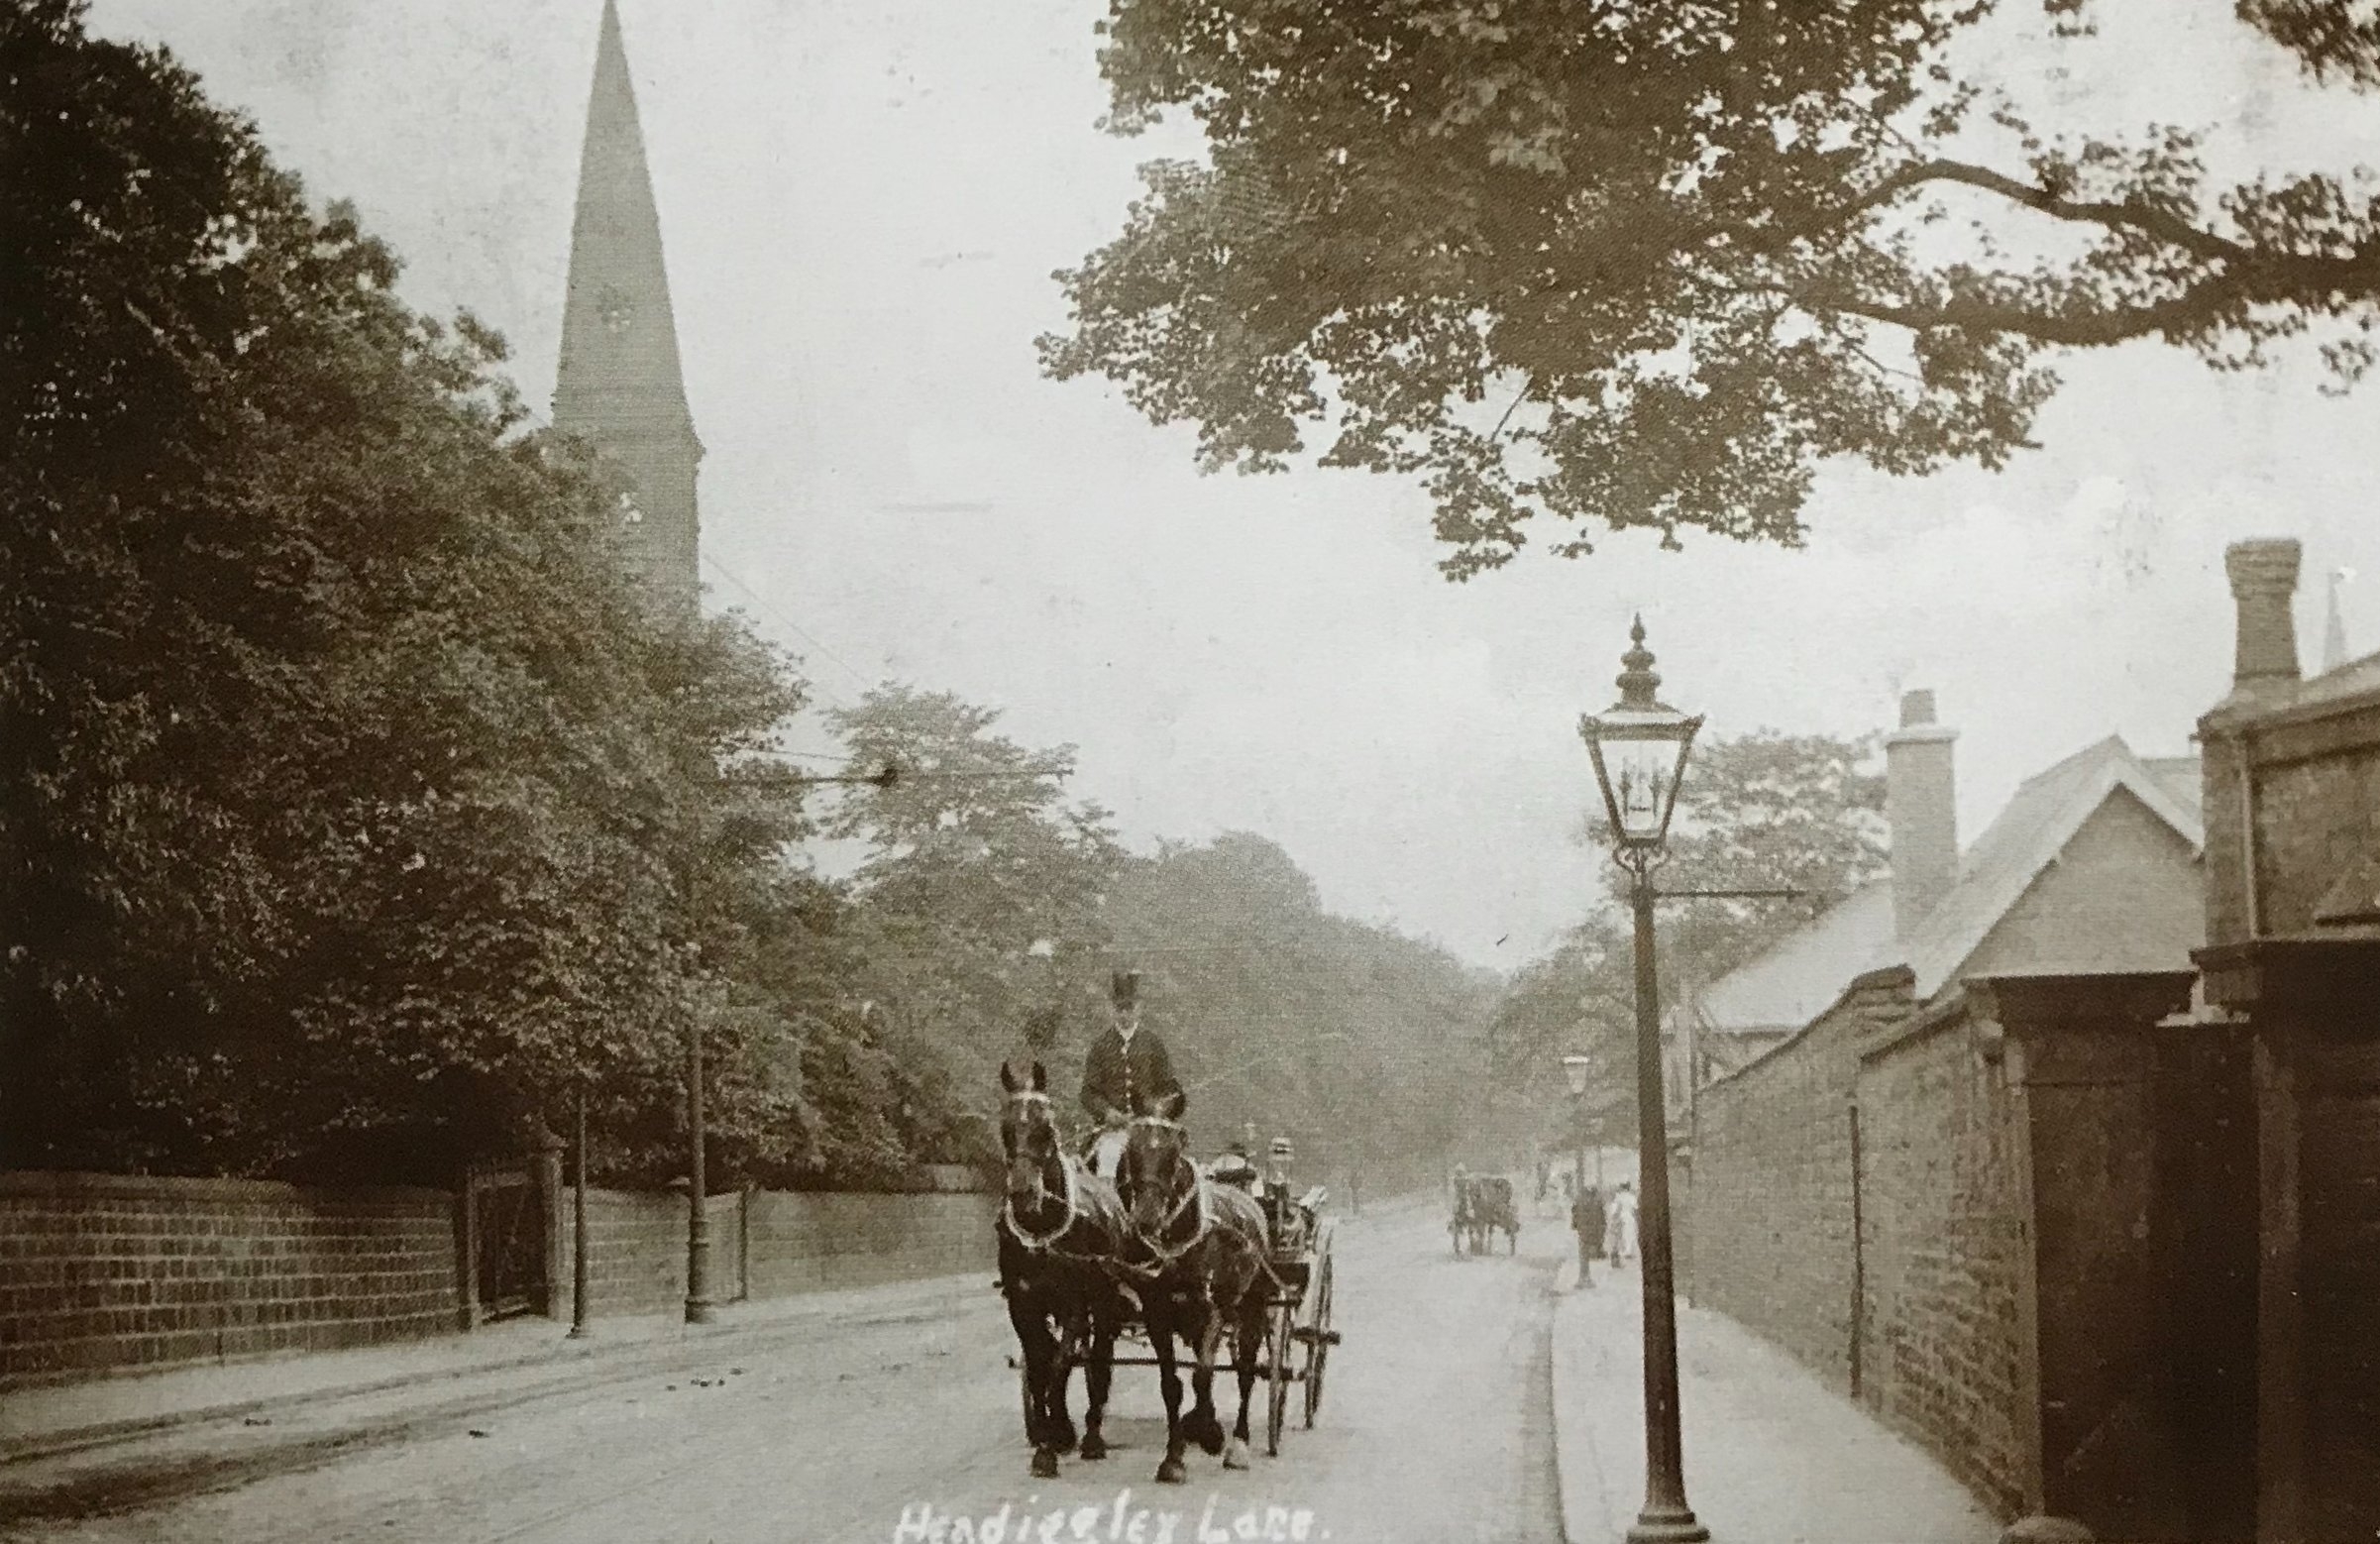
(351, 801)
(980, 910)
(1650, 263)
(1363, 1045)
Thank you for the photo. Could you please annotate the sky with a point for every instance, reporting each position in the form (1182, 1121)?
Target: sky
(862, 207)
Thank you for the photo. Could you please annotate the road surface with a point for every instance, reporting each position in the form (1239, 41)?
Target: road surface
(1435, 1428)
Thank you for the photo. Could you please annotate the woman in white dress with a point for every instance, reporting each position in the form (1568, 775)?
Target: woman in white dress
(1620, 1226)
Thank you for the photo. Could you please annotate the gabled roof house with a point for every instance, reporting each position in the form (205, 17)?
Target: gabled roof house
(2093, 866)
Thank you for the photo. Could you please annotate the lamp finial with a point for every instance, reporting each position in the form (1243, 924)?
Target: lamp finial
(1637, 681)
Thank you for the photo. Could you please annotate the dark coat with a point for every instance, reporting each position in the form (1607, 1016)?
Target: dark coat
(1112, 1073)
(1586, 1220)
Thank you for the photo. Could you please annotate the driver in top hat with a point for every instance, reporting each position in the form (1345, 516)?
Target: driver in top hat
(1126, 1062)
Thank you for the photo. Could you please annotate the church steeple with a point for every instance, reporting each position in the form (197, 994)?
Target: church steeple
(620, 383)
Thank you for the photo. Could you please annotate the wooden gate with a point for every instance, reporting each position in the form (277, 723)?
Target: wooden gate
(506, 1243)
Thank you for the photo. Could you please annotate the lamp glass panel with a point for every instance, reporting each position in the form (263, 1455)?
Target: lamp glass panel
(1640, 782)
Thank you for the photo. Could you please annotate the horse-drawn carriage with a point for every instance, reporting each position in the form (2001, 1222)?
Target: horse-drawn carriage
(1297, 1335)
(1483, 1206)
(1172, 1251)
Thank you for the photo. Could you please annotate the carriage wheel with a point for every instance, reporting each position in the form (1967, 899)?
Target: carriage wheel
(1276, 1400)
(1318, 1347)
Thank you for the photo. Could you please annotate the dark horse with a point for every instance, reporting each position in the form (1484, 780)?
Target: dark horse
(1493, 1208)
(1059, 1233)
(1197, 1258)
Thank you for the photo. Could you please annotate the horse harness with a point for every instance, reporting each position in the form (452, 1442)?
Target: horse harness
(1163, 1255)
(1048, 1242)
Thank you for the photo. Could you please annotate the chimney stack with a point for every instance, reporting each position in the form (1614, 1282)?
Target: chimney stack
(1922, 808)
(2264, 584)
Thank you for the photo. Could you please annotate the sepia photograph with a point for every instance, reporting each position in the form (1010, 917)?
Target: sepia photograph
(1189, 771)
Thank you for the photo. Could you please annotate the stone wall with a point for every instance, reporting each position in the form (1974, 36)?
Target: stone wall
(805, 1242)
(1942, 1257)
(636, 1250)
(773, 1243)
(102, 1274)
(1765, 1215)
(2312, 816)
(2050, 1178)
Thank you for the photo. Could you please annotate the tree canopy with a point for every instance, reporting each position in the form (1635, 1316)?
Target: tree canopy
(1651, 263)
(353, 805)
(1366, 1047)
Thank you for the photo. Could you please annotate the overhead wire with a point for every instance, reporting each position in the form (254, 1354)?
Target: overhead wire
(796, 627)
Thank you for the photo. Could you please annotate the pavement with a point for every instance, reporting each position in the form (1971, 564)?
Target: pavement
(1773, 1455)
(78, 1417)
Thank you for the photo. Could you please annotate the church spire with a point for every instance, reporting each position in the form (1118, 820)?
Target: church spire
(620, 383)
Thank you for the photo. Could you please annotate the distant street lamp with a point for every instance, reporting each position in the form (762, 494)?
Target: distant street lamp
(1575, 1068)
(1639, 746)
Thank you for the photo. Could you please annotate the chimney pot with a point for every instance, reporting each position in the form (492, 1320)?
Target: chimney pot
(1916, 707)
(2264, 583)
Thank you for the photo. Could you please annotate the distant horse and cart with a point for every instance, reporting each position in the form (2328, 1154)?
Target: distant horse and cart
(1483, 1207)
(1169, 1256)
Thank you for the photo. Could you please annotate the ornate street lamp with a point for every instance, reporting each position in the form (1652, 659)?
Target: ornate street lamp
(1639, 746)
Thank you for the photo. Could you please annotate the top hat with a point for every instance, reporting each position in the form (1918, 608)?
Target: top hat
(1124, 988)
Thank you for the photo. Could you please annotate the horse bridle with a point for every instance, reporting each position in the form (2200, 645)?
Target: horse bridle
(1017, 1229)
(1195, 1195)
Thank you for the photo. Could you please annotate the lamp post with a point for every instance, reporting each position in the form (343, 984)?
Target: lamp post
(1639, 746)
(577, 1218)
(698, 1191)
(1575, 1068)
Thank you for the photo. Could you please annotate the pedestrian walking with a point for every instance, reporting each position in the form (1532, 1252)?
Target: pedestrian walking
(1619, 1227)
(1586, 1220)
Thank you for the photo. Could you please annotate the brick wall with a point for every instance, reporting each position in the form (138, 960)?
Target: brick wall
(102, 1274)
(1942, 1257)
(2311, 817)
(2222, 763)
(636, 1250)
(1767, 1210)
(805, 1242)
(798, 1242)
(2314, 783)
